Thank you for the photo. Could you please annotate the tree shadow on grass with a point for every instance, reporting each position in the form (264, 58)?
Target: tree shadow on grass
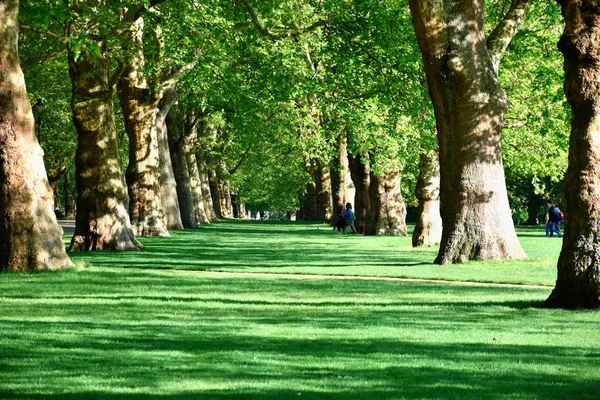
(150, 334)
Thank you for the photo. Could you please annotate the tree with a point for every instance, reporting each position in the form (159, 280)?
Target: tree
(578, 282)
(469, 105)
(30, 237)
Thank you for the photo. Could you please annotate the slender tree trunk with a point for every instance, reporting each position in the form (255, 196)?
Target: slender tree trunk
(69, 200)
(359, 172)
(168, 184)
(180, 170)
(578, 283)
(387, 212)
(30, 237)
(428, 230)
(102, 222)
(191, 147)
(469, 106)
(338, 172)
(534, 204)
(207, 197)
(214, 192)
(323, 180)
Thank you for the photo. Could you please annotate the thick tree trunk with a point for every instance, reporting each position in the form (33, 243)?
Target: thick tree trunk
(387, 212)
(428, 230)
(214, 192)
(139, 106)
(180, 170)
(139, 103)
(338, 172)
(102, 221)
(30, 237)
(359, 172)
(578, 282)
(469, 106)
(168, 184)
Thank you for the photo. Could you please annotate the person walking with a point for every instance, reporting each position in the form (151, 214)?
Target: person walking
(350, 218)
(555, 217)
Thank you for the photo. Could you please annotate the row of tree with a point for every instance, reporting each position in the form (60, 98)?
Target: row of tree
(276, 101)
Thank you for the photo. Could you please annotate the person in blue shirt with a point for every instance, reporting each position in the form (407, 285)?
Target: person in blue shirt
(350, 218)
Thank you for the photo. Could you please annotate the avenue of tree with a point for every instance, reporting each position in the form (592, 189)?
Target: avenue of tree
(164, 114)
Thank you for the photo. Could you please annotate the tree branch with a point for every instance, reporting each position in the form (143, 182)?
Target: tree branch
(35, 60)
(502, 35)
(240, 162)
(265, 31)
(63, 39)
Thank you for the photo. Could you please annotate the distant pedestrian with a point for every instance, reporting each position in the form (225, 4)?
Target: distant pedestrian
(350, 218)
(340, 223)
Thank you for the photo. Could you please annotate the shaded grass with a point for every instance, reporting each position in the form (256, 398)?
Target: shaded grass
(130, 327)
(283, 247)
(159, 334)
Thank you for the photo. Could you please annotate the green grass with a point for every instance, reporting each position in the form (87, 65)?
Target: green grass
(282, 247)
(147, 332)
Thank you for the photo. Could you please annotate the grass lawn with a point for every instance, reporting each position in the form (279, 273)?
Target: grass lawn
(283, 247)
(130, 327)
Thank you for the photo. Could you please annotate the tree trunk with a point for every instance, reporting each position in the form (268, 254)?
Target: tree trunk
(387, 212)
(139, 104)
(30, 237)
(310, 203)
(191, 147)
(180, 170)
(578, 283)
(323, 180)
(207, 197)
(469, 106)
(102, 222)
(359, 172)
(214, 192)
(168, 185)
(428, 230)
(338, 172)
(69, 200)
(534, 203)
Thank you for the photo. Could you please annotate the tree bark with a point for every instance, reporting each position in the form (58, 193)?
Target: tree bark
(310, 203)
(191, 147)
(168, 185)
(469, 106)
(578, 282)
(207, 197)
(139, 104)
(102, 221)
(428, 230)
(180, 170)
(359, 172)
(387, 212)
(69, 200)
(30, 237)
(338, 172)
(214, 192)
(323, 181)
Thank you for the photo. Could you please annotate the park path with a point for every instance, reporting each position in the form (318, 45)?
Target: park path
(362, 278)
